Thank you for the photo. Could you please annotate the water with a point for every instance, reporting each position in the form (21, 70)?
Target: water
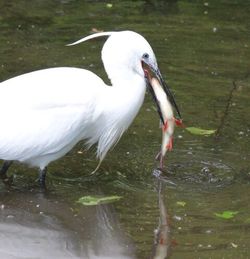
(203, 52)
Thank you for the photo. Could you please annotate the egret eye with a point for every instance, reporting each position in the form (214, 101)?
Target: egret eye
(145, 56)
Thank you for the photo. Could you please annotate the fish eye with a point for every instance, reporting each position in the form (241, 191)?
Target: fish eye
(145, 56)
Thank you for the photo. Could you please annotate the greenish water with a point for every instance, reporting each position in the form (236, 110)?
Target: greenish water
(203, 50)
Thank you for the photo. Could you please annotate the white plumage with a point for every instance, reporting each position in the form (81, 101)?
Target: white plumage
(46, 112)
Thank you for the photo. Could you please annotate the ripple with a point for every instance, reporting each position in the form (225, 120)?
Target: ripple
(200, 169)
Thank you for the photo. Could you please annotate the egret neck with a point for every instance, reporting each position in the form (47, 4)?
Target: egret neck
(121, 103)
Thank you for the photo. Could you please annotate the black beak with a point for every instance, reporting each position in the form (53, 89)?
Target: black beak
(165, 87)
(168, 92)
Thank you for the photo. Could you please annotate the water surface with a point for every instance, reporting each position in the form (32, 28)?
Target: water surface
(203, 52)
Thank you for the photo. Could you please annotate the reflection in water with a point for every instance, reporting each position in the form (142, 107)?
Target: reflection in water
(162, 245)
(107, 239)
(35, 224)
(18, 241)
(28, 229)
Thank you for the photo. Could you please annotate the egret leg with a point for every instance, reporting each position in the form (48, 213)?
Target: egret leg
(42, 177)
(3, 172)
(5, 167)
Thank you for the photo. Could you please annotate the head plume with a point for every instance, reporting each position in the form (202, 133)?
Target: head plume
(122, 51)
(96, 35)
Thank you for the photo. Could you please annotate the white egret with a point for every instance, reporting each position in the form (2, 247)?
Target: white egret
(46, 113)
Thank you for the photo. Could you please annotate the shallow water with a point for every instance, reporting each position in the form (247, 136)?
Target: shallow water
(203, 51)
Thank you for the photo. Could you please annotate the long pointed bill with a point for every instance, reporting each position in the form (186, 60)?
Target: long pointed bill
(168, 92)
(157, 73)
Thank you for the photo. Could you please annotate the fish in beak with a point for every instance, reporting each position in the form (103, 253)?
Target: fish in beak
(150, 72)
(164, 101)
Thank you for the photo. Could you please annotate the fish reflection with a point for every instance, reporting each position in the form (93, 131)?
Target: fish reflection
(162, 242)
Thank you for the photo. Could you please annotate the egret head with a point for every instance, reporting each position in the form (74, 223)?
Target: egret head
(125, 51)
(129, 51)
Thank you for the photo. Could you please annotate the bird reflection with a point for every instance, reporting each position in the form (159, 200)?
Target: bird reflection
(40, 222)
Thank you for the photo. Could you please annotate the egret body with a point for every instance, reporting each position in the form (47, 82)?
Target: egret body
(46, 112)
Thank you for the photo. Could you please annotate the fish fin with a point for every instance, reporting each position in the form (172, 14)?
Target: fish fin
(179, 123)
(169, 146)
(165, 126)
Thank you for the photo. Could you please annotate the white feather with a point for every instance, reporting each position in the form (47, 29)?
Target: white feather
(45, 113)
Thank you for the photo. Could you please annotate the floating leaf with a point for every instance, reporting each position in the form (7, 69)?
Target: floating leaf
(109, 5)
(227, 214)
(94, 200)
(198, 131)
(181, 203)
(234, 245)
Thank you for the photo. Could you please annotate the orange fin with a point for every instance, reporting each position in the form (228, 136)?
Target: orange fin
(179, 123)
(165, 126)
(169, 146)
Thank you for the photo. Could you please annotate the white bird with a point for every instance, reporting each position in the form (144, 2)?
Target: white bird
(45, 113)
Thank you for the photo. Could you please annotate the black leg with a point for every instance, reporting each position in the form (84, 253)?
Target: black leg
(42, 177)
(3, 172)
(5, 166)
